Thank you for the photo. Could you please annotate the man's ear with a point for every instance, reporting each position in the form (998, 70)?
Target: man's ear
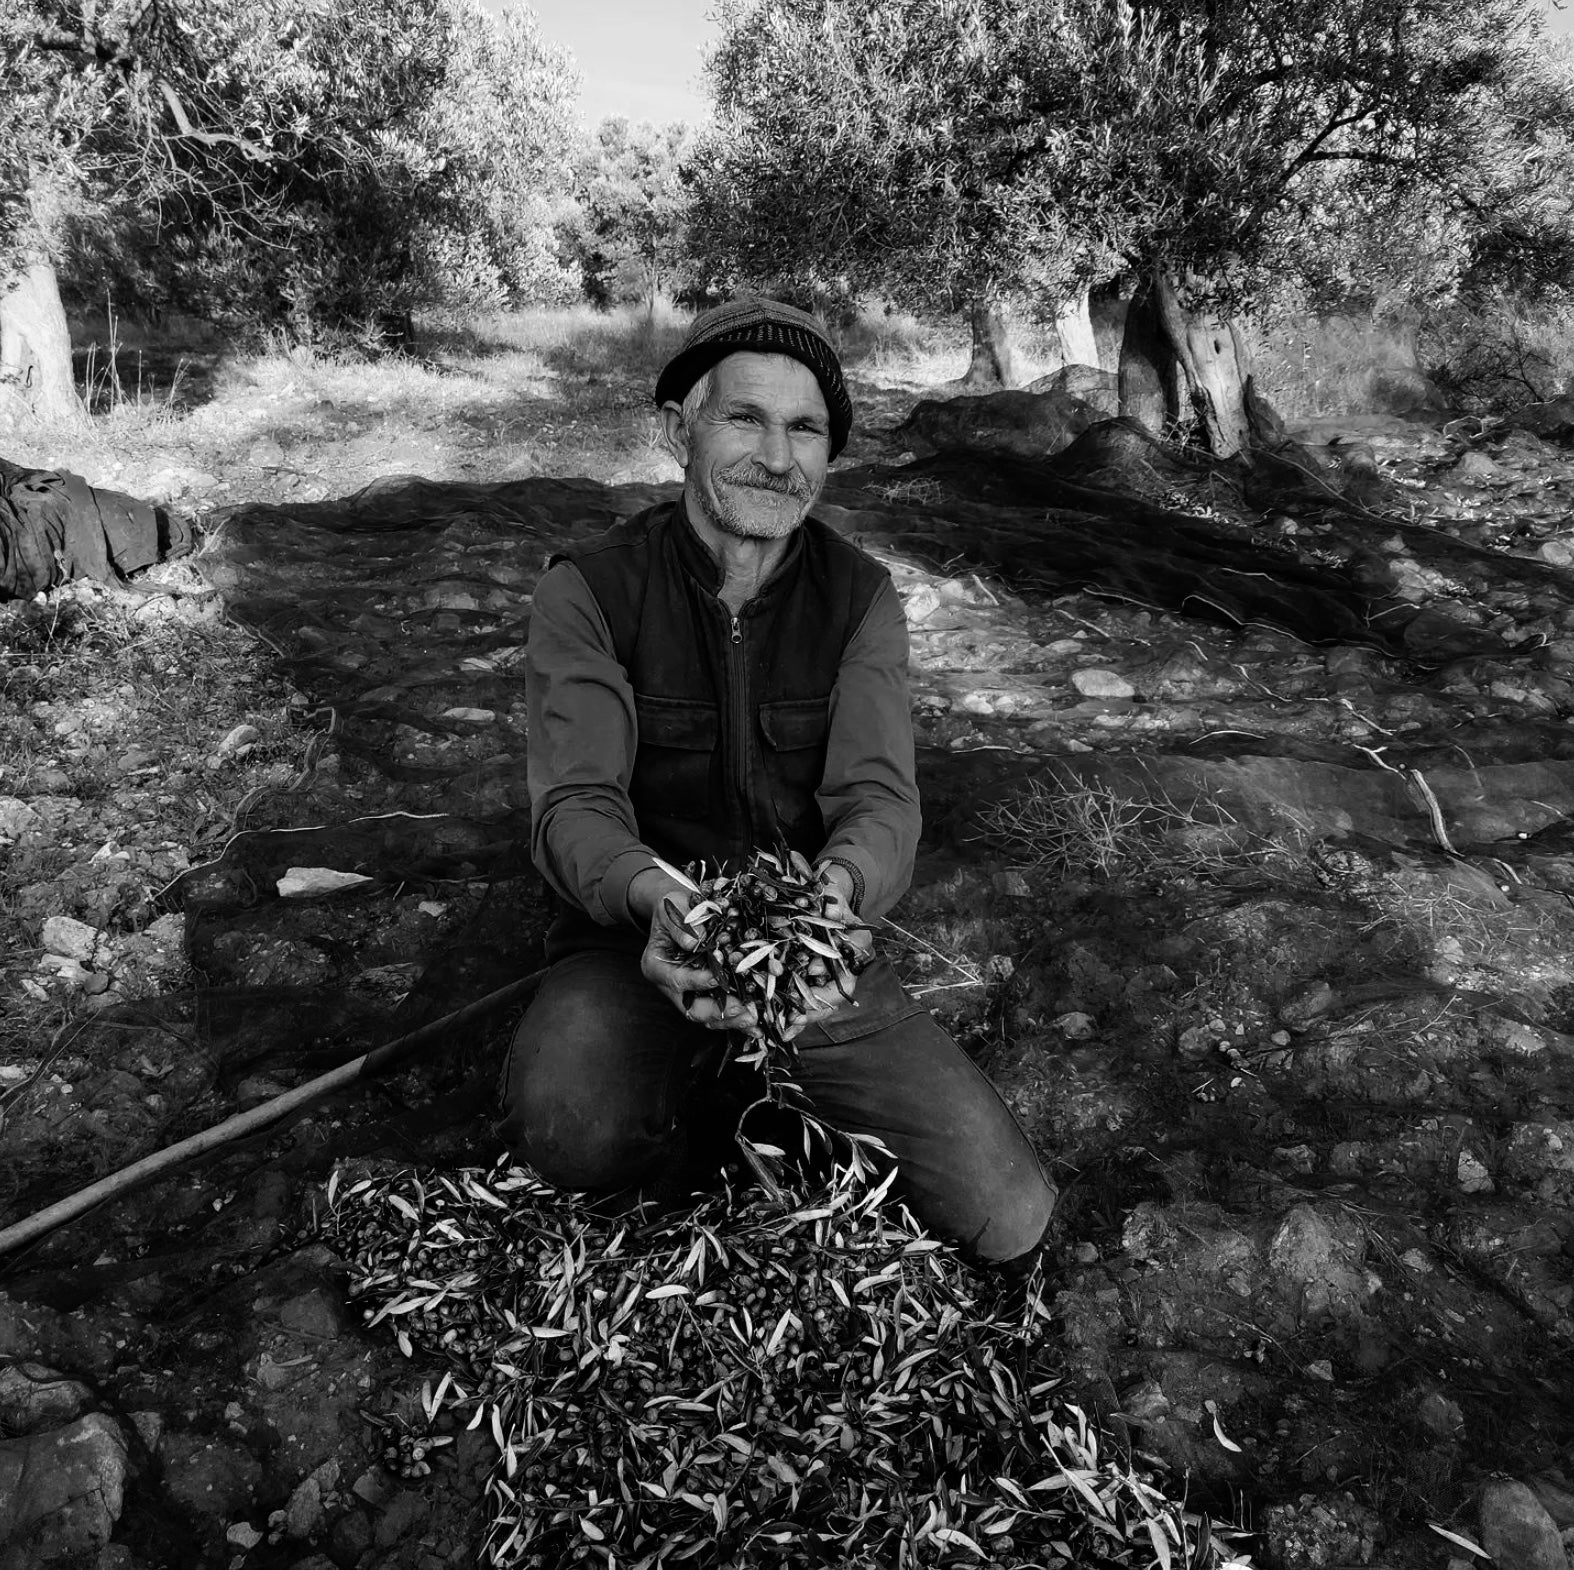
(673, 435)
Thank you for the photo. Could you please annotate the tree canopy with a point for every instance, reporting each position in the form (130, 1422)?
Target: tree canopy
(627, 231)
(943, 150)
(298, 160)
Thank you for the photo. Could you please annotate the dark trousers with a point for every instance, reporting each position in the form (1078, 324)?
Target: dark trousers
(601, 1078)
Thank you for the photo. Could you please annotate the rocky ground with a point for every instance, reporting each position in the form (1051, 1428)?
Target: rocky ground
(1264, 932)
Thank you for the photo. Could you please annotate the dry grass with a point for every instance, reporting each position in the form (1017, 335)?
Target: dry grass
(1073, 829)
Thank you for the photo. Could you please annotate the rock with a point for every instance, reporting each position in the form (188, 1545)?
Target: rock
(1440, 1415)
(241, 736)
(1098, 683)
(1517, 1531)
(1310, 1003)
(244, 1536)
(16, 818)
(1097, 388)
(70, 938)
(1557, 1498)
(1472, 1175)
(1475, 465)
(265, 453)
(1075, 1026)
(350, 1539)
(1557, 553)
(318, 1314)
(210, 1476)
(374, 1486)
(400, 1518)
(1029, 425)
(303, 1517)
(60, 1492)
(33, 1397)
(1321, 1255)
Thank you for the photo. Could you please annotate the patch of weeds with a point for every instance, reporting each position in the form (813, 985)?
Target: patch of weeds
(1071, 829)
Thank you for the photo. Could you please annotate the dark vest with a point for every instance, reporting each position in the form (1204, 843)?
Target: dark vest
(733, 713)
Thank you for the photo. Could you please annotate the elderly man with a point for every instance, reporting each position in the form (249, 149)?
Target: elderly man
(721, 673)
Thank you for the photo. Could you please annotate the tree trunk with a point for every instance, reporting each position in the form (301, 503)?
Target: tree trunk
(1149, 383)
(993, 366)
(1177, 364)
(1214, 360)
(35, 346)
(1074, 328)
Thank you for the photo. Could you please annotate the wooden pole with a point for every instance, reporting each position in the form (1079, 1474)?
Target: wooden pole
(368, 1066)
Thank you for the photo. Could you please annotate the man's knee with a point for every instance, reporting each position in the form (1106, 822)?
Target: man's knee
(576, 1141)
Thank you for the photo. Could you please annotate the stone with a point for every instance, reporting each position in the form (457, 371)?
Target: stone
(16, 818)
(1516, 1529)
(239, 738)
(303, 1516)
(1557, 1498)
(70, 938)
(243, 1535)
(210, 1476)
(1301, 1008)
(1321, 1255)
(350, 1538)
(1440, 1415)
(1099, 683)
(403, 1514)
(316, 1314)
(34, 1397)
(265, 453)
(60, 1491)
(374, 1486)
(1474, 464)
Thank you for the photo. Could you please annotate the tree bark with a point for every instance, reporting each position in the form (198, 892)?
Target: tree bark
(35, 346)
(993, 365)
(1178, 364)
(1149, 381)
(1213, 359)
(1074, 328)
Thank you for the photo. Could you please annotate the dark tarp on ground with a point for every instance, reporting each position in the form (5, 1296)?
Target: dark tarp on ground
(54, 526)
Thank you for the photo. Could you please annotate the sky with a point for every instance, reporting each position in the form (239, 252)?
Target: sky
(641, 58)
(637, 58)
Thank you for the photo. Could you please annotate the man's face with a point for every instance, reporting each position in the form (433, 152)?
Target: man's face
(754, 454)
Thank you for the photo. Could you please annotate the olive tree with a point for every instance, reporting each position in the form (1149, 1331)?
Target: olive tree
(1178, 156)
(295, 161)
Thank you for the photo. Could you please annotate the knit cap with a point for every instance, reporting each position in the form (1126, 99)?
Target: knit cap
(768, 327)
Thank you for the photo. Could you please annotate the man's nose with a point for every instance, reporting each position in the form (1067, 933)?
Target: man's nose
(775, 452)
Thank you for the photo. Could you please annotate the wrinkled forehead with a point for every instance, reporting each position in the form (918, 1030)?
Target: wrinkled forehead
(775, 382)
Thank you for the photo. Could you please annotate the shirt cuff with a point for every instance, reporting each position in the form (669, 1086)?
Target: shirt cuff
(612, 893)
(852, 871)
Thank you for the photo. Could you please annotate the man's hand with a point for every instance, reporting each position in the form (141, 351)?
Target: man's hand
(838, 887)
(671, 965)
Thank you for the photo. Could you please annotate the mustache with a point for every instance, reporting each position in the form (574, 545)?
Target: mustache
(750, 477)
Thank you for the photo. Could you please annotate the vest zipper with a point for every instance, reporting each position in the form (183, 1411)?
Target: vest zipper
(740, 716)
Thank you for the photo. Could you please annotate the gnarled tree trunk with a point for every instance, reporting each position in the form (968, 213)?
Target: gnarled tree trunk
(35, 345)
(1177, 364)
(993, 365)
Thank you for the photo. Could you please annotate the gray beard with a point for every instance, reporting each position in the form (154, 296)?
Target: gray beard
(723, 509)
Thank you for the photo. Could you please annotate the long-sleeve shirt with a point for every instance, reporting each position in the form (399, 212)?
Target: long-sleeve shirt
(584, 735)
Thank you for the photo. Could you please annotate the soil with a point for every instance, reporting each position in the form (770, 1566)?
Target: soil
(1266, 938)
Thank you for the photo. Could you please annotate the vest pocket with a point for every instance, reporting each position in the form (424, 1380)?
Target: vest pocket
(674, 757)
(795, 734)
